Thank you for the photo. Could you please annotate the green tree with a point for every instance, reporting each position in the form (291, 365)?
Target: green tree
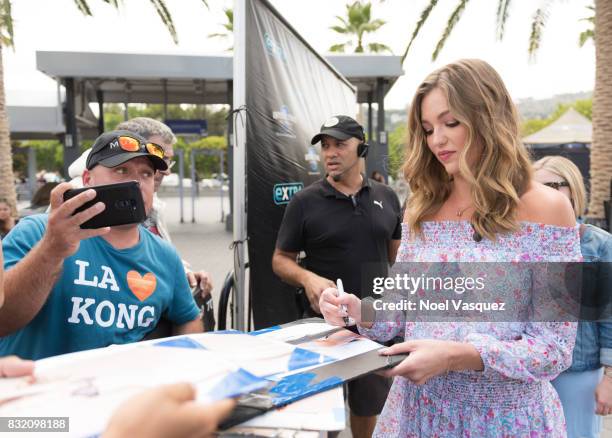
(583, 106)
(358, 23)
(217, 123)
(601, 148)
(397, 147)
(206, 165)
(7, 178)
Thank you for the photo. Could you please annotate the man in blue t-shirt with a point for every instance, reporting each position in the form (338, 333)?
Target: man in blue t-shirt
(69, 289)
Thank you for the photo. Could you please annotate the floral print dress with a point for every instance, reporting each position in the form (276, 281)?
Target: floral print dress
(512, 396)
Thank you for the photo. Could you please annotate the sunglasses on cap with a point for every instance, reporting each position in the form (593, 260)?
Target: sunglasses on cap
(556, 184)
(130, 144)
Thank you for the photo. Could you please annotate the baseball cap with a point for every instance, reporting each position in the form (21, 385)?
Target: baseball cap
(108, 150)
(341, 128)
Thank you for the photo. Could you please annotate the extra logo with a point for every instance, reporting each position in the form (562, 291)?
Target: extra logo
(274, 48)
(284, 192)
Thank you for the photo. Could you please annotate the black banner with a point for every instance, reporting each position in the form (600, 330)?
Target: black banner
(290, 92)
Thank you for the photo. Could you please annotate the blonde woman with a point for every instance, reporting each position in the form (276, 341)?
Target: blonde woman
(586, 387)
(473, 199)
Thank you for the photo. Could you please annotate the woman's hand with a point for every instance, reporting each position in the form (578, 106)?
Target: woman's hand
(603, 396)
(430, 358)
(330, 305)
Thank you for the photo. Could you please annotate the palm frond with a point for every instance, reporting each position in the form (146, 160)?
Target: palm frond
(229, 14)
(590, 19)
(338, 48)
(206, 4)
(450, 25)
(339, 29)
(366, 11)
(6, 24)
(166, 18)
(375, 24)
(343, 21)
(585, 36)
(83, 7)
(424, 15)
(114, 3)
(502, 17)
(354, 13)
(537, 26)
(378, 47)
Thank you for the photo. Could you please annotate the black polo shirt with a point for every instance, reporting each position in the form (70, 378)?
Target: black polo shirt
(343, 236)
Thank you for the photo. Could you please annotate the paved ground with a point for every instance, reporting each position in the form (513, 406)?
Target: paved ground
(205, 243)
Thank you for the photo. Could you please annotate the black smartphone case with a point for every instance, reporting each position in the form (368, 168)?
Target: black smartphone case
(124, 204)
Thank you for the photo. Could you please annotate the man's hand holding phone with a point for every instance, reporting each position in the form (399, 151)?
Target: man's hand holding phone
(64, 232)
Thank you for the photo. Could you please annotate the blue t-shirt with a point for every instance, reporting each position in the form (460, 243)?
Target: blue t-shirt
(103, 295)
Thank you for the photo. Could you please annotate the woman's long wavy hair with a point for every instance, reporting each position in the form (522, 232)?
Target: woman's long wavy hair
(477, 98)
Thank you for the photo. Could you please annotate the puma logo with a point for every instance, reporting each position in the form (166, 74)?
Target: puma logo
(379, 203)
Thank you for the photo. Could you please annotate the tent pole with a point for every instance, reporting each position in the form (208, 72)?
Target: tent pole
(239, 167)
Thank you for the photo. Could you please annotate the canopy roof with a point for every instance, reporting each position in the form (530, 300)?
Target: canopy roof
(571, 127)
(140, 78)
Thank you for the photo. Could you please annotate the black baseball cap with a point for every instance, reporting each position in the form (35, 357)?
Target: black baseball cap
(108, 152)
(341, 128)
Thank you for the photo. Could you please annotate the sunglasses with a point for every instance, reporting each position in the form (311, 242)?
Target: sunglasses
(170, 164)
(130, 144)
(557, 184)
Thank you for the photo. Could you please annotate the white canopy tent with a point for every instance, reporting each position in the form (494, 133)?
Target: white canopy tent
(571, 127)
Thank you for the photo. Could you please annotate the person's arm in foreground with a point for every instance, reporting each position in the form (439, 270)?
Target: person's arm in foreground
(168, 411)
(12, 366)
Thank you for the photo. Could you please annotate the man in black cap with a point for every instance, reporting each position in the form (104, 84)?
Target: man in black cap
(350, 229)
(70, 289)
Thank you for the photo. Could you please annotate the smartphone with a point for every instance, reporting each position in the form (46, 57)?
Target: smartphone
(124, 204)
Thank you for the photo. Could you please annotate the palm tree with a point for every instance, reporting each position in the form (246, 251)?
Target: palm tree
(601, 148)
(359, 22)
(228, 25)
(7, 179)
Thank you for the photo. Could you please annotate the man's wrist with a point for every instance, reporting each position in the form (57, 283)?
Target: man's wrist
(304, 277)
(48, 253)
(608, 371)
